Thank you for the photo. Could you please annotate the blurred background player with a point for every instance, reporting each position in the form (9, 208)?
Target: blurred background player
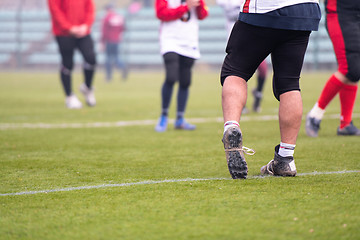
(113, 27)
(231, 10)
(343, 26)
(71, 25)
(179, 46)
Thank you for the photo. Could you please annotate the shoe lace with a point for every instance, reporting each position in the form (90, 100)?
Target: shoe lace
(246, 150)
(268, 169)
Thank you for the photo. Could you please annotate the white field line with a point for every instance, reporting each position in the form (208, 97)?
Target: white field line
(159, 182)
(7, 126)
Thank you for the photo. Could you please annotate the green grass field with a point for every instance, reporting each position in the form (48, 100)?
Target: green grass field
(47, 151)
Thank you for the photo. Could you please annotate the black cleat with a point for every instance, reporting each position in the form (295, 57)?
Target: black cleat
(280, 166)
(349, 130)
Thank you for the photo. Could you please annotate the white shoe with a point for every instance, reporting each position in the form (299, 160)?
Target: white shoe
(88, 94)
(72, 102)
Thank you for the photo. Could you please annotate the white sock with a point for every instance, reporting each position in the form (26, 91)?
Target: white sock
(286, 150)
(317, 112)
(229, 124)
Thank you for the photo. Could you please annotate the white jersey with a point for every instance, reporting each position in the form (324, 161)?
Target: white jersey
(264, 6)
(180, 36)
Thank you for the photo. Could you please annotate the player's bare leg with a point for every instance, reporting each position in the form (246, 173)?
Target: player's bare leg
(290, 114)
(234, 94)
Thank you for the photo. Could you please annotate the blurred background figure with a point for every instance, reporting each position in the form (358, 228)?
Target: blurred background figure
(134, 7)
(231, 11)
(343, 26)
(113, 27)
(179, 46)
(148, 3)
(71, 25)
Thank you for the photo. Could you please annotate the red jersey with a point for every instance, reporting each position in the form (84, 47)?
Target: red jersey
(68, 13)
(172, 10)
(113, 26)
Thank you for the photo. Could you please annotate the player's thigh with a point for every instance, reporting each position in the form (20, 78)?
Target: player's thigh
(172, 66)
(87, 50)
(287, 60)
(186, 65)
(66, 47)
(247, 47)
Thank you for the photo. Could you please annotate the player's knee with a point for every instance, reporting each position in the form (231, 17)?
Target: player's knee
(66, 70)
(184, 85)
(89, 66)
(169, 84)
(171, 78)
(284, 86)
(90, 59)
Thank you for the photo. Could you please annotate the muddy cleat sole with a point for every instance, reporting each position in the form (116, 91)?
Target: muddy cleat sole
(280, 166)
(349, 130)
(237, 165)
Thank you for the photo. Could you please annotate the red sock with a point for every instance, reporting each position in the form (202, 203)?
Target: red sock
(331, 88)
(347, 100)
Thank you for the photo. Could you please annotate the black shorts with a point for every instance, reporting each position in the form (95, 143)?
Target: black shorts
(249, 45)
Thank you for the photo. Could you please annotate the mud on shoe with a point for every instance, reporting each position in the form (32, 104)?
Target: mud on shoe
(234, 151)
(280, 166)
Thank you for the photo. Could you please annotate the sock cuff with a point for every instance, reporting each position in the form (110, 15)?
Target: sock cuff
(180, 115)
(286, 150)
(228, 123)
(350, 87)
(164, 112)
(287, 146)
(317, 112)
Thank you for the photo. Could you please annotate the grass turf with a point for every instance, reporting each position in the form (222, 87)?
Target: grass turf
(35, 159)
